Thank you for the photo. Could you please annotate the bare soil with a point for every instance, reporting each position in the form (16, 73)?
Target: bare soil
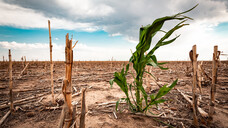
(95, 77)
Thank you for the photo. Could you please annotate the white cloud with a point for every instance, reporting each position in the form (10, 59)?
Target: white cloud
(85, 8)
(115, 34)
(31, 51)
(39, 51)
(123, 17)
(14, 15)
(195, 34)
(23, 46)
(131, 40)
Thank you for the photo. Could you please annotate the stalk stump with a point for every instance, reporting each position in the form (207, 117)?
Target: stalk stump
(10, 82)
(214, 80)
(194, 100)
(66, 118)
(51, 65)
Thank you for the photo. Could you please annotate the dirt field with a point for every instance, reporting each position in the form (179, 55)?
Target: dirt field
(95, 76)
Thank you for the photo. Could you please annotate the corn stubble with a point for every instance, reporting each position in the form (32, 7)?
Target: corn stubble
(139, 61)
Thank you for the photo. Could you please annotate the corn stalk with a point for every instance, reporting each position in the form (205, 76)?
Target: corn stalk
(66, 118)
(139, 61)
(11, 82)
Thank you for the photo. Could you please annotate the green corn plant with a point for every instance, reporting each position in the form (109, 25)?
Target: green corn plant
(139, 61)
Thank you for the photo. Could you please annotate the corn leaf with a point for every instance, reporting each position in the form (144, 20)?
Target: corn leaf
(164, 90)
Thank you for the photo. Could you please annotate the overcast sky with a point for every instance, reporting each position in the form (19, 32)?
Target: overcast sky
(108, 28)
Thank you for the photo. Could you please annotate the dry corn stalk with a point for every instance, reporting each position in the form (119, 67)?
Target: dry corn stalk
(25, 63)
(194, 100)
(83, 110)
(214, 80)
(199, 77)
(67, 112)
(10, 82)
(51, 65)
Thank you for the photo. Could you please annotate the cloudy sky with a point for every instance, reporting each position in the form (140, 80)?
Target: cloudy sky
(108, 28)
